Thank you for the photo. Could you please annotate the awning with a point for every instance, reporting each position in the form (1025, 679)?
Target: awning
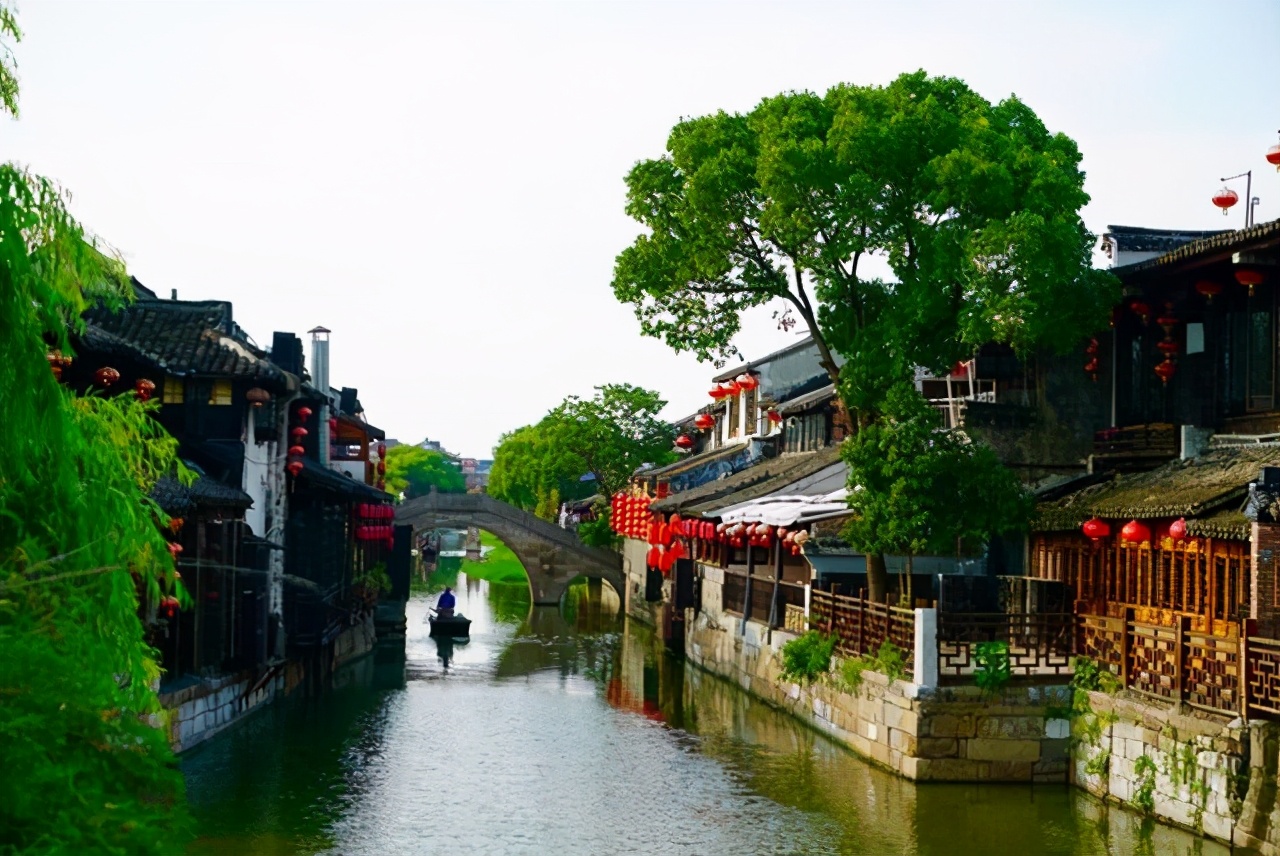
(787, 510)
(321, 476)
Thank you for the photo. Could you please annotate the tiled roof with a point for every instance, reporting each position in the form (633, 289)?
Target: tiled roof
(1255, 237)
(1204, 487)
(760, 480)
(1139, 239)
(181, 338)
(808, 400)
(319, 475)
(177, 498)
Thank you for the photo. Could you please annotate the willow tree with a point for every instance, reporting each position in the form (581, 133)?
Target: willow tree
(906, 225)
(86, 767)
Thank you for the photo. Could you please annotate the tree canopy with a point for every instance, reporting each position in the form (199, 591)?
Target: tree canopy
(413, 471)
(973, 206)
(921, 490)
(82, 553)
(607, 436)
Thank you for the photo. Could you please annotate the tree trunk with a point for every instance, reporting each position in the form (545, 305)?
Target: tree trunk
(909, 599)
(877, 578)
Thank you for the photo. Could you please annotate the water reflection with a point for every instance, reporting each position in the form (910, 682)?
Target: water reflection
(570, 731)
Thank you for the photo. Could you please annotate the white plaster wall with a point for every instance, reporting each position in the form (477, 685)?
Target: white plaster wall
(257, 465)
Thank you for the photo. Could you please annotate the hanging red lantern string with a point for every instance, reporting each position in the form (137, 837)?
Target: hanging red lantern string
(1095, 529)
(1134, 532)
(1225, 198)
(1249, 277)
(1092, 348)
(1167, 321)
(1165, 370)
(1208, 289)
(1168, 347)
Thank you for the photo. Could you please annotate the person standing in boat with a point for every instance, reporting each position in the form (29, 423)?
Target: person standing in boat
(446, 603)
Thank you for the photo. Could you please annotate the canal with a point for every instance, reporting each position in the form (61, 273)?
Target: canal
(569, 732)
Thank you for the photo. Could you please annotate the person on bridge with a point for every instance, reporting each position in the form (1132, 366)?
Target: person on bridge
(446, 603)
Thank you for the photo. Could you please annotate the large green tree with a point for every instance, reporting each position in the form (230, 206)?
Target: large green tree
(86, 767)
(973, 206)
(413, 471)
(921, 490)
(607, 436)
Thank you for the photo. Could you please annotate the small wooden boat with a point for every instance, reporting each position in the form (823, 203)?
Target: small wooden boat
(456, 626)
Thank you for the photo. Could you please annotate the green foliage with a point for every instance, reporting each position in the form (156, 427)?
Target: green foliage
(498, 564)
(608, 436)
(807, 658)
(86, 767)
(889, 660)
(413, 471)
(975, 206)
(993, 670)
(596, 533)
(1089, 676)
(1144, 794)
(921, 490)
(373, 579)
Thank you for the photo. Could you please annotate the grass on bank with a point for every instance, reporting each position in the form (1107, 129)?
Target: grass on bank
(499, 564)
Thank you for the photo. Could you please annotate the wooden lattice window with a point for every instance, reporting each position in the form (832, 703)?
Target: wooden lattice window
(220, 392)
(174, 390)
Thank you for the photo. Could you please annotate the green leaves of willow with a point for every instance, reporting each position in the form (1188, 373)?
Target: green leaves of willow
(414, 470)
(974, 206)
(86, 767)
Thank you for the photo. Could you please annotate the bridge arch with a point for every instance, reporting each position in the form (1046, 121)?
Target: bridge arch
(551, 556)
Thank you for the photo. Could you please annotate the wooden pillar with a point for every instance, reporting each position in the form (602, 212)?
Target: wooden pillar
(777, 576)
(746, 594)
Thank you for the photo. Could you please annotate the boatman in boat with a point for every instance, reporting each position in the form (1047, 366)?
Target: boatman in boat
(446, 603)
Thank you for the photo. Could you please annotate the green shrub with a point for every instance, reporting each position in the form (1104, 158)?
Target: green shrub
(807, 657)
(993, 668)
(889, 660)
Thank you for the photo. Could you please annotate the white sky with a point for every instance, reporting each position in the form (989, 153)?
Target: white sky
(442, 184)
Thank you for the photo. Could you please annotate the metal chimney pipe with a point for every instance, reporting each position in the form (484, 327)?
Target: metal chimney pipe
(320, 380)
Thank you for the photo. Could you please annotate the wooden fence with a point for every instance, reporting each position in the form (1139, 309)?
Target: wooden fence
(861, 626)
(1039, 645)
(1232, 674)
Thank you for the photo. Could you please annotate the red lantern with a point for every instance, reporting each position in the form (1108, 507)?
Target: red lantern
(169, 606)
(718, 392)
(298, 431)
(304, 413)
(1141, 309)
(1225, 198)
(294, 467)
(1091, 367)
(143, 388)
(1166, 321)
(746, 380)
(1208, 289)
(297, 450)
(382, 468)
(1168, 347)
(684, 441)
(1092, 348)
(257, 396)
(333, 423)
(733, 387)
(106, 376)
(774, 416)
(1249, 277)
(174, 549)
(1165, 370)
(382, 450)
(651, 559)
(704, 421)
(1178, 529)
(1135, 533)
(1095, 529)
(1273, 157)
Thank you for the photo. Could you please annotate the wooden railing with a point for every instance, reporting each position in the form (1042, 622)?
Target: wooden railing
(861, 626)
(1177, 663)
(1039, 645)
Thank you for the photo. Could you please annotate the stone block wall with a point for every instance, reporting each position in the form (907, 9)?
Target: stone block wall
(198, 712)
(927, 735)
(1189, 770)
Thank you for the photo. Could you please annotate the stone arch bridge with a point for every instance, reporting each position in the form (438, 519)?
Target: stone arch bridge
(551, 556)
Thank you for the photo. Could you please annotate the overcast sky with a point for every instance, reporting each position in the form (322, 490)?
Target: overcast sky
(442, 185)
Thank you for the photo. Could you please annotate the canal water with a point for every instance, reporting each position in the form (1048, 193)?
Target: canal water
(569, 732)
